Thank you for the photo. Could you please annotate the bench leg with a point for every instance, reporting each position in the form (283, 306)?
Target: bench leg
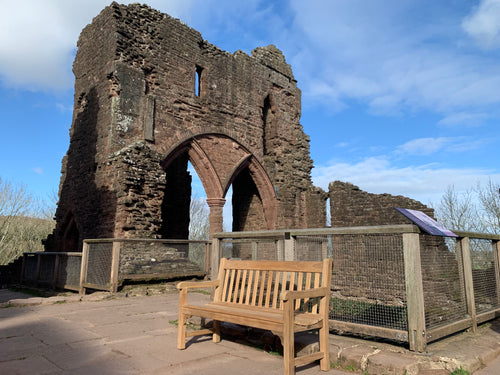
(182, 321)
(181, 332)
(288, 341)
(216, 334)
(324, 346)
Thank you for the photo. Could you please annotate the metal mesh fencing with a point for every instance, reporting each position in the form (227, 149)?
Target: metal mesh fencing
(143, 259)
(99, 264)
(368, 282)
(312, 248)
(69, 271)
(254, 249)
(30, 262)
(47, 268)
(483, 275)
(442, 280)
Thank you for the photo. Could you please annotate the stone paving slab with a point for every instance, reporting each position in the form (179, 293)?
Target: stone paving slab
(114, 334)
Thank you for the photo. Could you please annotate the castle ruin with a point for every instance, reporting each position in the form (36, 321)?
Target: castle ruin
(151, 96)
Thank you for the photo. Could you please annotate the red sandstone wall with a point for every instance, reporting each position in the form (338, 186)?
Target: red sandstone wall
(136, 107)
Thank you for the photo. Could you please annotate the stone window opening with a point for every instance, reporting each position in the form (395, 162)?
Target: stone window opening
(328, 222)
(268, 119)
(198, 81)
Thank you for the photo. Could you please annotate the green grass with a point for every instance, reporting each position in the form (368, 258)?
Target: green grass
(460, 371)
(188, 325)
(350, 368)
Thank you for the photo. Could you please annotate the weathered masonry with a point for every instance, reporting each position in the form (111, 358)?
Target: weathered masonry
(150, 96)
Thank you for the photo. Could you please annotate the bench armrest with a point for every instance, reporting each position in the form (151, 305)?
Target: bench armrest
(197, 284)
(299, 294)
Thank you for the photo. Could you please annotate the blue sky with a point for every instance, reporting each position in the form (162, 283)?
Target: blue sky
(398, 96)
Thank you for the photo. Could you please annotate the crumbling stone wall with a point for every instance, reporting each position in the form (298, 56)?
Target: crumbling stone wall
(151, 94)
(350, 206)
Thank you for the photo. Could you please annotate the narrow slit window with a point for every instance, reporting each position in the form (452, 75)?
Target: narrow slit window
(198, 80)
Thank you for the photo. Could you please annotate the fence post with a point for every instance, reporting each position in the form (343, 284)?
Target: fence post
(208, 256)
(115, 264)
(496, 259)
(289, 246)
(55, 276)
(324, 248)
(23, 269)
(38, 265)
(469, 283)
(279, 249)
(83, 268)
(255, 250)
(215, 258)
(414, 292)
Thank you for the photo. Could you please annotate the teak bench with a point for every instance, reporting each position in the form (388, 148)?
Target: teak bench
(283, 297)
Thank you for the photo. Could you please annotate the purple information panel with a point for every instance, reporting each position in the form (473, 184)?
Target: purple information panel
(426, 223)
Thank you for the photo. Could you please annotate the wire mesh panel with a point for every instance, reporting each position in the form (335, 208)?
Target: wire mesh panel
(143, 259)
(442, 280)
(483, 275)
(268, 250)
(252, 249)
(99, 264)
(30, 262)
(47, 268)
(69, 271)
(368, 282)
(312, 248)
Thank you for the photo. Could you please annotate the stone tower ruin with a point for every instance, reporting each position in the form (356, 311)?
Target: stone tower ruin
(150, 96)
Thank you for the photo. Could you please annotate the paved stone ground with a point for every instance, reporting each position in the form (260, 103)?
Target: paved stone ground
(132, 333)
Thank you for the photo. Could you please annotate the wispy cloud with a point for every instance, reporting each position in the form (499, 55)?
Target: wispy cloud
(429, 146)
(38, 170)
(394, 57)
(426, 183)
(38, 39)
(483, 24)
(464, 119)
(424, 146)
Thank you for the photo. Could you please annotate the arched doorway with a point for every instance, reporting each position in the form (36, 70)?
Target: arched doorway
(220, 162)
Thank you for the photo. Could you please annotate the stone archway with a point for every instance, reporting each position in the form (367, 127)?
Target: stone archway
(219, 161)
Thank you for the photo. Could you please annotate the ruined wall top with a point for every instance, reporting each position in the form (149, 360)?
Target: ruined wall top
(351, 206)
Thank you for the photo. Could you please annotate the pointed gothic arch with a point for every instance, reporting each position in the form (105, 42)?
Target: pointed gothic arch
(218, 174)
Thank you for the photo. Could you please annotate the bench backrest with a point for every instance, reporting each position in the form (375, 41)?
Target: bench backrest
(259, 284)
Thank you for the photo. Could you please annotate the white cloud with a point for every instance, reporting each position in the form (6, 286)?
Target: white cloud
(38, 170)
(395, 57)
(423, 146)
(464, 118)
(483, 24)
(425, 183)
(38, 39)
(429, 146)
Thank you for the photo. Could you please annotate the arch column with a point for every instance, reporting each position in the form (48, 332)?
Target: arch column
(215, 218)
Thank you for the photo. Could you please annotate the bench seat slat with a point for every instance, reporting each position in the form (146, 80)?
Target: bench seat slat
(272, 265)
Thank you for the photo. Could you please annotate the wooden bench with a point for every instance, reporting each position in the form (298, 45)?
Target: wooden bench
(283, 297)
